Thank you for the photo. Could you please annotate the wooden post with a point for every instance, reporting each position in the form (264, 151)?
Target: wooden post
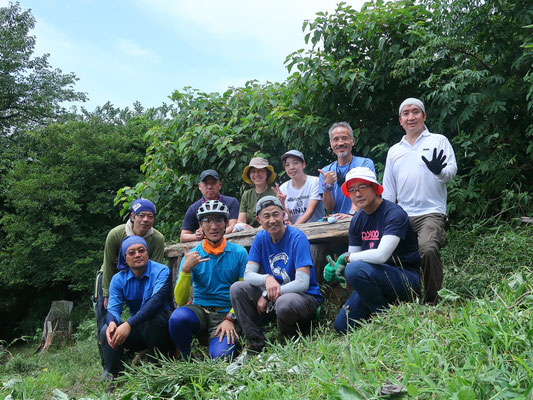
(318, 254)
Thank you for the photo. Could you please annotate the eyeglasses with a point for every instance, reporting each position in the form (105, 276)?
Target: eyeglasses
(140, 250)
(358, 188)
(209, 220)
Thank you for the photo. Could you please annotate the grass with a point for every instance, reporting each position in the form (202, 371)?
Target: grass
(477, 344)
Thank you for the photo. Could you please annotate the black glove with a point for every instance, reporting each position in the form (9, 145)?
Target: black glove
(437, 163)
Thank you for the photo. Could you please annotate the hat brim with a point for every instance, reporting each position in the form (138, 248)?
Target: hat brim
(270, 180)
(287, 155)
(349, 182)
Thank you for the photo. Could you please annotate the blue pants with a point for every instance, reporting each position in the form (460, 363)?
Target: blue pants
(184, 323)
(374, 288)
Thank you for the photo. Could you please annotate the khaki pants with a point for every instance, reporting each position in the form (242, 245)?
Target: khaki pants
(431, 238)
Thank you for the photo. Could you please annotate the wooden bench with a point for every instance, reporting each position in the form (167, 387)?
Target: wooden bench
(322, 236)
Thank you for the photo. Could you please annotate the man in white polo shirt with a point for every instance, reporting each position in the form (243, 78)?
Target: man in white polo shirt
(416, 173)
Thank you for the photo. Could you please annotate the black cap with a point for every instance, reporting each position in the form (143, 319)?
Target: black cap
(209, 172)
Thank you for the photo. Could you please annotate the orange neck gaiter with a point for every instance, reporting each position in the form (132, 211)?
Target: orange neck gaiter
(216, 251)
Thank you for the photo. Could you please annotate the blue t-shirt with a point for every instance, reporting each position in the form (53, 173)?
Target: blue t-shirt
(282, 259)
(343, 204)
(125, 287)
(190, 221)
(212, 279)
(366, 230)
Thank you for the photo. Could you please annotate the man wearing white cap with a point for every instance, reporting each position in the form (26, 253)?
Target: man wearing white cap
(383, 260)
(416, 172)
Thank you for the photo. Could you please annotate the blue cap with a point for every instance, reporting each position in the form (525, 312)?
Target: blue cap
(126, 243)
(141, 204)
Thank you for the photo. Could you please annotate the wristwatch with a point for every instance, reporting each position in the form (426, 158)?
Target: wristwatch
(352, 212)
(265, 295)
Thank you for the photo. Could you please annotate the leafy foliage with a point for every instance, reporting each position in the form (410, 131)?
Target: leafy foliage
(221, 132)
(31, 92)
(476, 258)
(476, 349)
(58, 207)
(468, 60)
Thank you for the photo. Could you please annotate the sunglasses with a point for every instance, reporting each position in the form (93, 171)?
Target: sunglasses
(210, 220)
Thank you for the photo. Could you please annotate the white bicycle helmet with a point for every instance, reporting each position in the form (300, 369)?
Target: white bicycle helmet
(212, 207)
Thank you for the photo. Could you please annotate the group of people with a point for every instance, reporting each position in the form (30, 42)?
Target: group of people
(223, 292)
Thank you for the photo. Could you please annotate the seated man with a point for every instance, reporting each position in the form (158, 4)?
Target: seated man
(332, 176)
(211, 267)
(146, 288)
(210, 186)
(383, 260)
(279, 273)
(141, 223)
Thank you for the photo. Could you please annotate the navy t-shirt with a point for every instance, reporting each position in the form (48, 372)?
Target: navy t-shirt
(190, 222)
(366, 231)
(282, 259)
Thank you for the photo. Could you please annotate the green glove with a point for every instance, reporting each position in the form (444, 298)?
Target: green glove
(330, 271)
(340, 266)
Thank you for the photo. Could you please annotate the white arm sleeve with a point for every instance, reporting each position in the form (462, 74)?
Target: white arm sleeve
(354, 249)
(298, 285)
(252, 275)
(385, 249)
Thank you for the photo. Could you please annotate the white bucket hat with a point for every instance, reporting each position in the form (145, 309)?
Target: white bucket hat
(361, 173)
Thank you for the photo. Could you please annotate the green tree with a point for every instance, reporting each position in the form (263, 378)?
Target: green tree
(222, 132)
(470, 61)
(59, 208)
(31, 92)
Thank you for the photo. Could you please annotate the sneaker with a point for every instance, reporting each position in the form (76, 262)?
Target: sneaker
(106, 377)
(244, 357)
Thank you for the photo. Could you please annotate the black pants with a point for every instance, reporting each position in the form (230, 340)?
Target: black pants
(100, 312)
(152, 334)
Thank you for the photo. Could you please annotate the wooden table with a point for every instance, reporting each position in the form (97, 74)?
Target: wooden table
(323, 236)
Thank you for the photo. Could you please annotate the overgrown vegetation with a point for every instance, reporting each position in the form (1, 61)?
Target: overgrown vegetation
(468, 60)
(479, 349)
(477, 344)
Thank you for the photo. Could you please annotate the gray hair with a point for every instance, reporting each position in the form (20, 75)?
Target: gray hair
(344, 125)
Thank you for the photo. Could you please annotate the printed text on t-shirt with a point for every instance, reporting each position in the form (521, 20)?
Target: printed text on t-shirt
(370, 235)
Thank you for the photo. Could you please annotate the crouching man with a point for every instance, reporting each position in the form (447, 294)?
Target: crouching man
(279, 274)
(211, 267)
(146, 288)
(383, 260)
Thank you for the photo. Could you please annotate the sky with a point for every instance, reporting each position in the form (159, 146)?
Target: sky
(124, 51)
